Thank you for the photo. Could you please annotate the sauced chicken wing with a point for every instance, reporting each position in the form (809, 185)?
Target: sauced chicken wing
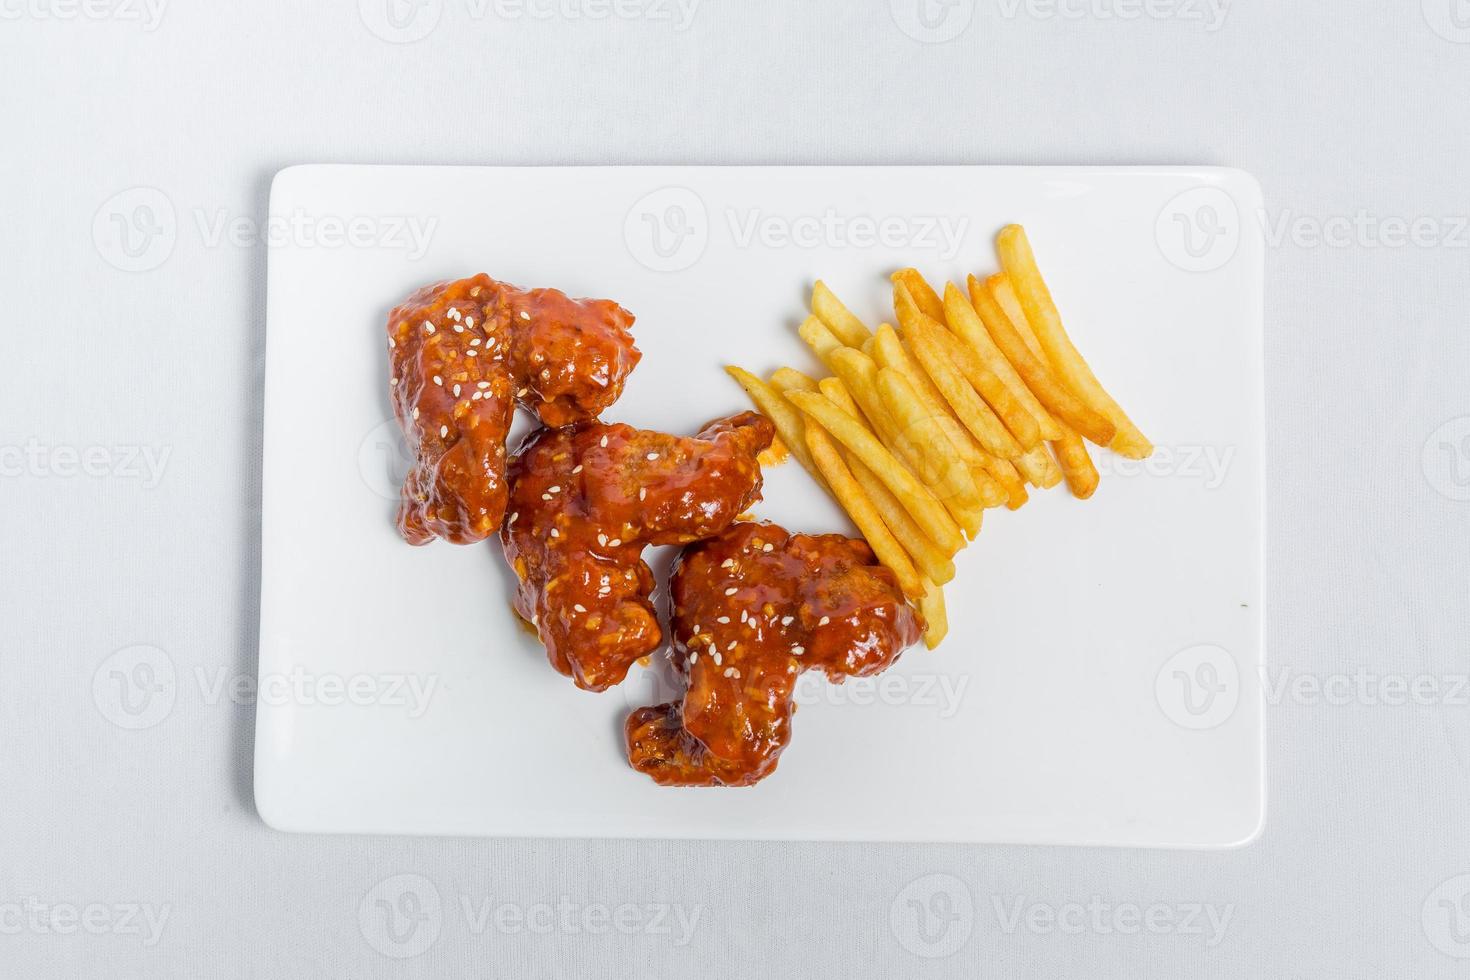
(462, 355)
(752, 609)
(584, 502)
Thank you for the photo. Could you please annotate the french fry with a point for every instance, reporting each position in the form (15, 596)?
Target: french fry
(1017, 420)
(922, 293)
(922, 335)
(950, 479)
(936, 617)
(926, 555)
(1039, 468)
(1066, 406)
(819, 338)
(966, 325)
(850, 494)
(889, 352)
(838, 318)
(1070, 450)
(1019, 262)
(1004, 472)
(1077, 466)
(784, 379)
(789, 423)
(927, 512)
(860, 376)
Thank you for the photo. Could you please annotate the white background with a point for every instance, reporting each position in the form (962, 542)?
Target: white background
(1351, 115)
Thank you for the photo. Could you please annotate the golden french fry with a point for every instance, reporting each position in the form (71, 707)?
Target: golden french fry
(784, 379)
(850, 494)
(1037, 466)
(860, 377)
(789, 423)
(922, 293)
(1000, 287)
(944, 471)
(936, 617)
(834, 389)
(1076, 465)
(922, 335)
(927, 512)
(1017, 420)
(1066, 406)
(966, 325)
(820, 339)
(1004, 472)
(838, 318)
(927, 557)
(889, 352)
(1019, 263)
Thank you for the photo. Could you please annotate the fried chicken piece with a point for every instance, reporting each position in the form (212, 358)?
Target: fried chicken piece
(462, 355)
(752, 609)
(585, 501)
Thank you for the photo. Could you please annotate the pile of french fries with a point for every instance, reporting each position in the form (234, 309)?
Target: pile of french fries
(921, 429)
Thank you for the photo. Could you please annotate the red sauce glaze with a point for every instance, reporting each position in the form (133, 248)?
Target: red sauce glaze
(752, 609)
(462, 355)
(585, 500)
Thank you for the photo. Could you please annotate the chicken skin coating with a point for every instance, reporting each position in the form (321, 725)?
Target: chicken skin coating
(584, 502)
(462, 355)
(752, 609)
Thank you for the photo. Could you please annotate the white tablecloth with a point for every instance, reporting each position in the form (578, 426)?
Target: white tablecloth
(139, 141)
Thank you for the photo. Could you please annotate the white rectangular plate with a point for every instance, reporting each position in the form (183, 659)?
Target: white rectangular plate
(1100, 681)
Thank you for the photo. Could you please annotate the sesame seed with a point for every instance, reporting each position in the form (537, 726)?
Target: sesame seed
(415, 413)
(718, 658)
(615, 542)
(731, 672)
(391, 344)
(428, 327)
(456, 391)
(767, 547)
(482, 384)
(693, 656)
(471, 352)
(605, 590)
(394, 382)
(712, 651)
(453, 313)
(476, 396)
(579, 607)
(555, 533)
(469, 321)
(525, 315)
(458, 328)
(824, 620)
(728, 563)
(577, 468)
(642, 492)
(732, 645)
(604, 442)
(695, 630)
(554, 489)
(535, 620)
(546, 496)
(742, 615)
(475, 342)
(787, 620)
(443, 431)
(723, 619)
(602, 540)
(731, 590)
(652, 456)
(513, 518)
(798, 650)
